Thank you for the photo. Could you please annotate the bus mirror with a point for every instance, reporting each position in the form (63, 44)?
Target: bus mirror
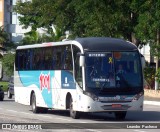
(81, 60)
(143, 61)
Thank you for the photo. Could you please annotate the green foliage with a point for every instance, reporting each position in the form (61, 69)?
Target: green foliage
(34, 37)
(8, 63)
(131, 20)
(148, 25)
(149, 75)
(158, 75)
(5, 85)
(3, 37)
(81, 17)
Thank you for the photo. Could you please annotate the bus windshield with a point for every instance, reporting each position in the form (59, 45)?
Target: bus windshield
(113, 70)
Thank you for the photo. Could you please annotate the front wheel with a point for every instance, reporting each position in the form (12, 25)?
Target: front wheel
(120, 115)
(73, 114)
(1, 99)
(35, 109)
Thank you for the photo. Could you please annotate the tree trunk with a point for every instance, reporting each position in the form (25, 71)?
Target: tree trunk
(134, 39)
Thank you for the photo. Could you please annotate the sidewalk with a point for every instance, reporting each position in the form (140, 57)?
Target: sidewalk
(151, 100)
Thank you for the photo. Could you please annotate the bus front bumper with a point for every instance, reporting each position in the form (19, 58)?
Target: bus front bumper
(95, 106)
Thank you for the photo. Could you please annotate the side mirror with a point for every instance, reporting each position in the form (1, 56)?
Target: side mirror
(81, 60)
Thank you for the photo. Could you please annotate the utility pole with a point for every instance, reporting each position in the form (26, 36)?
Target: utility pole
(157, 58)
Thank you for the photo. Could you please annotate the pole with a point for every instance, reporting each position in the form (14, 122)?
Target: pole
(157, 58)
(156, 82)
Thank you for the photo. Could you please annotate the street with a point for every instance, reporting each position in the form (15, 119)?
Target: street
(11, 112)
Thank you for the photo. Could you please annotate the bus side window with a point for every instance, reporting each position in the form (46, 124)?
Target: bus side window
(21, 62)
(58, 61)
(66, 58)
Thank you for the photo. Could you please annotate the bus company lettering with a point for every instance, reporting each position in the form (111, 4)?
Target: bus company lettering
(44, 80)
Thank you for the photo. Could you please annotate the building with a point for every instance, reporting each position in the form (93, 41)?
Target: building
(9, 19)
(1, 12)
(145, 51)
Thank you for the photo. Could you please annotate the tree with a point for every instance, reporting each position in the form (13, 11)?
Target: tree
(33, 37)
(8, 63)
(82, 17)
(41, 17)
(148, 28)
(3, 37)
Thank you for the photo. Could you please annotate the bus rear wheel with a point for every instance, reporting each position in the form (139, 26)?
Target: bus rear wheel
(73, 114)
(35, 109)
(120, 115)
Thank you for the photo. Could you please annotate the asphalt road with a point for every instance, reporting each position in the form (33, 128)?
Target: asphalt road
(12, 112)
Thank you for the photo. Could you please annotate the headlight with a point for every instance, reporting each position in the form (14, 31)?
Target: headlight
(137, 96)
(93, 96)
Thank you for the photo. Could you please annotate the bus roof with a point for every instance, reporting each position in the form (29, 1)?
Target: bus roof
(105, 43)
(91, 44)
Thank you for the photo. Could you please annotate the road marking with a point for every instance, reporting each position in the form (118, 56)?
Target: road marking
(12, 111)
(152, 102)
(36, 115)
(26, 113)
(63, 119)
(139, 131)
(91, 130)
(45, 116)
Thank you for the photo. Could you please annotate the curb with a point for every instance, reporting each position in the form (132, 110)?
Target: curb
(152, 102)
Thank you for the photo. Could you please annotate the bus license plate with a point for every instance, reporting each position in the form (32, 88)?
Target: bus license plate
(116, 105)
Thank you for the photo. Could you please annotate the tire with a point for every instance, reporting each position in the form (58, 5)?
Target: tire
(9, 95)
(120, 115)
(73, 114)
(1, 99)
(35, 109)
(43, 110)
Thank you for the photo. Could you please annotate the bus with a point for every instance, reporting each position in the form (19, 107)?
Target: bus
(81, 75)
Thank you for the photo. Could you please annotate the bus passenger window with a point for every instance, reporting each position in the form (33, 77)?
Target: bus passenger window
(67, 59)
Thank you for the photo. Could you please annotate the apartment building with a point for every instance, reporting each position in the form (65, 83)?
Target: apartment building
(1, 12)
(10, 21)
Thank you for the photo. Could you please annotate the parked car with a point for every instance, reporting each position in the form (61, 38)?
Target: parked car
(1, 93)
(10, 91)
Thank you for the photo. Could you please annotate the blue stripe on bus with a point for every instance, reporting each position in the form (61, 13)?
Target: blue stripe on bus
(67, 81)
(42, 80)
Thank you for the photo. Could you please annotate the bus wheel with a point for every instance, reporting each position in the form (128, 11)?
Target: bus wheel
(35, 109)
(73, 114)
(1, 99)
(44, 110)
(120, 115)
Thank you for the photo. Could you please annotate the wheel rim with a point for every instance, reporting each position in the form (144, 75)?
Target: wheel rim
(33, 103)
(71, 109)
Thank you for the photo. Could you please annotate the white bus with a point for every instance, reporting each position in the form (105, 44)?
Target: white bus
(96, 74)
